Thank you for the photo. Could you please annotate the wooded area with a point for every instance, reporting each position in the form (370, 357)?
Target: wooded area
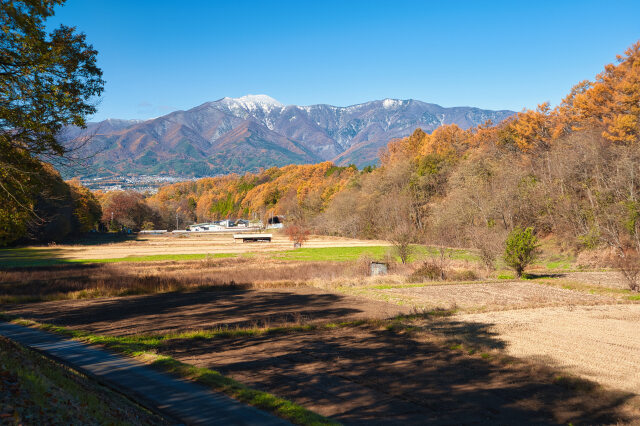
(571, 171)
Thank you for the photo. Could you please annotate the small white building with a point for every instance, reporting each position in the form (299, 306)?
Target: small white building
(206, 227)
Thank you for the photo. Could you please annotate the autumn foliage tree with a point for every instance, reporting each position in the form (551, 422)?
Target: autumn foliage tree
(126, 209)
(297, 233)
(48, 81)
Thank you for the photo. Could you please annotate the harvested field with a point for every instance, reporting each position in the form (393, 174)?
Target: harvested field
(487, 296)
(172, 312)
(366, 375)
(601, 343)
(608, 279)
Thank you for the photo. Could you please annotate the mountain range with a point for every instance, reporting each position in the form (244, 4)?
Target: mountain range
(247, 133)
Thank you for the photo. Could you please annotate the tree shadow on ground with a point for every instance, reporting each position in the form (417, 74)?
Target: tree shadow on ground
(20, 258)
(531, 276)
(25, 258)
(375, 376)
(225, 306)
(370, 374)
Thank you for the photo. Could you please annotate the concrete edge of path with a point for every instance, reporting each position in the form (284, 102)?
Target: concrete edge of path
(177, 400)
(131, 395)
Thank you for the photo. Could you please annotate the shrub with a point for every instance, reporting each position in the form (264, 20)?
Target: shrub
(629, 265)
(521, 248)
(462, 275)
(148, 225)
(429, 271)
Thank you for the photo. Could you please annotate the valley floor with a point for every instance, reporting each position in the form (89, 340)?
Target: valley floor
(558, 347)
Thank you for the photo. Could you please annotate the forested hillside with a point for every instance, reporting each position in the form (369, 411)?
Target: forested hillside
(571, 171)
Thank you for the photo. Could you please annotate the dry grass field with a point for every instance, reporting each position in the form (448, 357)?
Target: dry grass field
(311, 326)
(153, 245)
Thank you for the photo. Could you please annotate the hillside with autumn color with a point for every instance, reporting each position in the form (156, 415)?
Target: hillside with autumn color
(571, 171)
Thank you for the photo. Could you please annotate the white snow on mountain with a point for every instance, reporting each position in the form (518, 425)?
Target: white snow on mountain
(253, 102)
(390, 103)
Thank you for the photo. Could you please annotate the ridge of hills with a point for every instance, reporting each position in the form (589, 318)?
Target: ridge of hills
(238, 135)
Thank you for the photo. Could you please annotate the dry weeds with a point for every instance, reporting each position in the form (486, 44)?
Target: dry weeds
(194, 244)
(121, 279)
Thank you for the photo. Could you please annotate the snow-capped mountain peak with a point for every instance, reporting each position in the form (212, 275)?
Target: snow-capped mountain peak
(391, 103)
(252, 102)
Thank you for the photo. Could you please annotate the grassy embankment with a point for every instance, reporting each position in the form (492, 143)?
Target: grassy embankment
(36, 390)
(144, 349)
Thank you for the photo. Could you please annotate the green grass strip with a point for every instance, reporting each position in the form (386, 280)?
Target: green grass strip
(157, 257)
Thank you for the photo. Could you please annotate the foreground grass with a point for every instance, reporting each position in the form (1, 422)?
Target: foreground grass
(143, 348)
(448, 335)
(37, 390)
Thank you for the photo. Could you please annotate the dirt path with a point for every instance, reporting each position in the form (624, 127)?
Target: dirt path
(601, 343)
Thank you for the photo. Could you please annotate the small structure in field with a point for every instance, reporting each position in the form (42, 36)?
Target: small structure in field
(205, 227)
(252, 238)
(378, 268)
(275, 222)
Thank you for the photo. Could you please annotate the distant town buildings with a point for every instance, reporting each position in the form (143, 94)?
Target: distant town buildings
(225, 225)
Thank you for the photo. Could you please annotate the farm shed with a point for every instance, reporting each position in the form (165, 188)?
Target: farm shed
(251, 238)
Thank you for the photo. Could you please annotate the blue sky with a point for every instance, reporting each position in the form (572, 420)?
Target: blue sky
(159, 56)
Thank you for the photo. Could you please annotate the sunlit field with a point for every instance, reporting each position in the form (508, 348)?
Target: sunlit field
(207, 302)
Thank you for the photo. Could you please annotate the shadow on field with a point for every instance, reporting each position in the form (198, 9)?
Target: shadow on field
(27, 257)
(411, 370)
(12, 258)
(365, 375)
(223, 306)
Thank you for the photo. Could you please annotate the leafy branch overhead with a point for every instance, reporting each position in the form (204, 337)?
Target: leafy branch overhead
(47, 81)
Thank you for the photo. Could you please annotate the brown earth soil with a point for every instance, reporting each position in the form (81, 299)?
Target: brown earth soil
(601, 343)
(356, 375)
(489, 296)
(365, 375)
(171, 312)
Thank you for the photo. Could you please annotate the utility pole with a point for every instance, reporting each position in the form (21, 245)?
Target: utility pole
(176, 220)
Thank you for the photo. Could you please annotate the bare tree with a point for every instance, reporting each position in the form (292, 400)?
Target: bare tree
(629, 265)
